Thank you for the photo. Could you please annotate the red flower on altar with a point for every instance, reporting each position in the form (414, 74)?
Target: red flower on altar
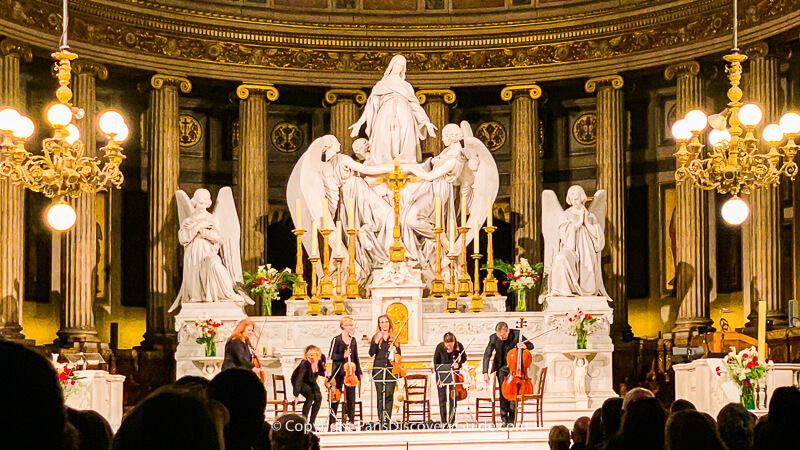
(750, 364)
(745, 356)
(747, 382)
(588, 316)
(718, 372)
(510, 275)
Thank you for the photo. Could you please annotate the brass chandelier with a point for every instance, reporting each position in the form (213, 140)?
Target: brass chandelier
(735, 161)
(63, 169)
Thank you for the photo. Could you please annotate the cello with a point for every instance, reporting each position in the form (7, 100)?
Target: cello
(519, 361)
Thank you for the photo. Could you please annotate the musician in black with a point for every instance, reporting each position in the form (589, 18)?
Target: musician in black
(500, 343)
(381, 348)
(304, 381)
(238, 350)
(344, 349)
(449, 351)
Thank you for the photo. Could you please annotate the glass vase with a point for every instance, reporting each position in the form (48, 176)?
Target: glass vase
(580, 336)
(211, 348)
(522, 300)
(266, 306)
(747, 396)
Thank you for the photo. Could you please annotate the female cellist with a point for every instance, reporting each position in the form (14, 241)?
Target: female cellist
(449, 351)
(304, 381)
(238, 352)
(344, 352)
(380, 348)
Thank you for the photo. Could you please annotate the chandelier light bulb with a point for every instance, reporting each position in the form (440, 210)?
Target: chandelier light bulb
(8, 119)
(111, 122)
(773, 133)
(24, 128)
(681, 131)
(59, 115)
(122, 134)
(717, 137)
(790, 123)
(61, 216)
(750, 115)
(717, 121)
(74, 134)
(697, 120)
(735, 211)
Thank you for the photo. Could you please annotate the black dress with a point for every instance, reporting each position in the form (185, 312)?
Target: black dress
(447, 403)
(237, 355)
(304, 382)
(385, 382)
(338, 347)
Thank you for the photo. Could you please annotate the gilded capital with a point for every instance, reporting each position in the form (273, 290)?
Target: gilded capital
(610, 81)
(447, 95)
(244, 90)
(532, 90)
(158, 81)
(334, 95)
(764, 49)
(91, 68)
(682, 69)
(12, 47)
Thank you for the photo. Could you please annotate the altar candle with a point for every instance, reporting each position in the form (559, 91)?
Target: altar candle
(477, 232)
(762, 330)
(438, 212)
(314, 241)
(351, 218)
(452, 234)
(338, 238)
(463, 211)
(325, 213)
(489, 211)
(269, 349)
(299, 216)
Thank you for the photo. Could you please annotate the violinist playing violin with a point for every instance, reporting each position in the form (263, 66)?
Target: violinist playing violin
(344, 354)
(383, 349)
(500, 343)
(238, 350)
(449, 351)
(304, 381)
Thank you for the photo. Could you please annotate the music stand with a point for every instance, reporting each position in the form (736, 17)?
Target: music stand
(384, 375)
(446, 378)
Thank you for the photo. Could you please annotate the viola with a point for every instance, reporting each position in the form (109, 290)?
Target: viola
(334, 395)
(350, 378)
(519, 361)
(257, 364)
(397, 362)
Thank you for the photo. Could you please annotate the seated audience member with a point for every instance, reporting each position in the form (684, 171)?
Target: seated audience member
(735, 425)
(243, 394)
(681, 405)
(558, 438)
(173, 417)
(31, 402)
(93, 430)
(292, 432)
(779, 430)
(580, 429)
(610, 419)
(642, 426)
(690, 430)
(636, 394)
(595, 434)
(192, 381)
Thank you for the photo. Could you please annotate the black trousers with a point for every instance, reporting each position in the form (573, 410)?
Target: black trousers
(313, 400)
(350, 401)
(447, 405)
(508, 410)
(384, 390)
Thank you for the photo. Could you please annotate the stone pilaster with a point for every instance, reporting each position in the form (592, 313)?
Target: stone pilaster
(526, 171)
(12, 203)
(344, 105)
(611, 177)
(691, 224)
(162, 181)
(436, 103)
(765, 208)
(253, 172)
(78, 245)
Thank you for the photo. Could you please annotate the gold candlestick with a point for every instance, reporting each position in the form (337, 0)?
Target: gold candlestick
(477, 300)
(326, 285)
(490, 282)
(313, 301)
(351, 286)
(437, 284)
(300, 286)
(338, 301)
(464, 283)
(452, 297)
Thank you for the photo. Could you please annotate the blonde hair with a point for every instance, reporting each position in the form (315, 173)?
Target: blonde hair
(345, 319)
(312, 349)
(391, 326)
(238, 332)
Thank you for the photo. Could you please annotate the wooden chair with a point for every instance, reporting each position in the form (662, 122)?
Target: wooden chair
(534, 400)
(280, 404)
(487, 407)
(357, 408)
(416, 390)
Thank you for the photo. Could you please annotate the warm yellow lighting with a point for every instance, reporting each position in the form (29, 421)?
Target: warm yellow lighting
(696, 120)
(717, 137)
(59, 115)
(8, 119)
(24, 128)
(74, 134)
(61, 216)
(111, 122)
(772, 133)
(717, 121)
(681, 131)
(123, 134)
(790, 123)
(735, 211)
(750, 115)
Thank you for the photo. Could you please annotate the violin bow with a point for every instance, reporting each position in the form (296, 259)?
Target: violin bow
(465, 348)
(397, 335)
(258, 339)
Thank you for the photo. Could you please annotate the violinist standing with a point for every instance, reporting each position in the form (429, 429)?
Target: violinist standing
(238, 353)
(304, 381)
(500, 343)
(344, 349)
(449, 351)
(383, 350)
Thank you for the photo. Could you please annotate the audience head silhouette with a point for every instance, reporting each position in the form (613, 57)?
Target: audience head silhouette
(292, 432)
(243, 394)
(642, 425)
(690, 430)
(681, 405)
(559, 438)
(735, 425)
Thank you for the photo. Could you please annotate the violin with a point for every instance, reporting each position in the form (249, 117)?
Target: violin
(519, 361)
(257, 364)
(334, 395)
(350, 378)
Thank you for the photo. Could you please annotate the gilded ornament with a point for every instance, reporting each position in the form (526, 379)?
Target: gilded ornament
(243, 91)
(189, 130)
(584, 130)
(612, 81)
(688, 68)
(332, 96)
(287, 137)
(158, 81)
(533, 91)
(10, 46)
(447, 95)
(492, 134)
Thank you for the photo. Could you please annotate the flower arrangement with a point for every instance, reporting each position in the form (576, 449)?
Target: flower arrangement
(67, 378)
(267, 283)
(520, 278)
(745, 369)
(207, 331)
(581, 325)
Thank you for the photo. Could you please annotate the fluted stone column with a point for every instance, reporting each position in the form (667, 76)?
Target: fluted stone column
(691, 224)
(12, 204)
(436, 103)
(163, 166)
(611, 177)
(253, 172)
(79, 253)
(765, 208)
(526, 171)
(344, 105)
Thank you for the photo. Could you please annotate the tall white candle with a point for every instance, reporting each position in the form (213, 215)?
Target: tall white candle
(351, 218)
(325, 213)
(438, 212)
(463, 211)
(477, 232)
(299, 214)
(314, 241)
(338, 238)
(489, 211)
(762, 330)
(452, 234)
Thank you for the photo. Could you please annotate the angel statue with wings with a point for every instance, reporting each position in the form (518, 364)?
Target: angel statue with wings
(573, 241)
(211, 262)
